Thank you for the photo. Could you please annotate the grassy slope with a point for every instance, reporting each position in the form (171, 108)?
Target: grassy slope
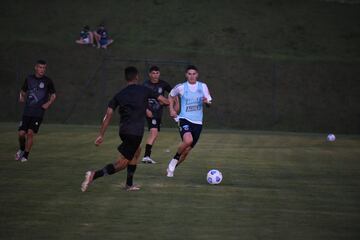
(241, 47)
(276, 186)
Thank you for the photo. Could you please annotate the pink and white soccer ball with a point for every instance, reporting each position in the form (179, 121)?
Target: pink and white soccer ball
(214, 177)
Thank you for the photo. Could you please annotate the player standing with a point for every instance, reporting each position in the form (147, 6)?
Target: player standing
(193, 94)
(131, 102)
(38, 93)
(154, 110)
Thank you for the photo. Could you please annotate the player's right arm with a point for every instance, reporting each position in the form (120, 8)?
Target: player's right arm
(22, 94)
(173, 99)
(172, 111)
(104, 125)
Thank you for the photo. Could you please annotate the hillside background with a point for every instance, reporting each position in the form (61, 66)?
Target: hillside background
(270, 65)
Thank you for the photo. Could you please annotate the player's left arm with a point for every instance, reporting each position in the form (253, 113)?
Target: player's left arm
(207, 97)
(163, 100)
(52, 97)
(50, 102)
(149, 113)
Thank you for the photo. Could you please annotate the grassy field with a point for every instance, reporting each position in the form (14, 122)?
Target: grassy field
(276, 186)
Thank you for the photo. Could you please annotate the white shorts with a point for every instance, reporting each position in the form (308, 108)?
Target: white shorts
(86, 40)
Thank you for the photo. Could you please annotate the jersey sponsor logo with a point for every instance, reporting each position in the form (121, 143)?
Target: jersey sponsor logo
(193, 108)
(41, 85)
(160, 90)
(154, 121)
(190, 101)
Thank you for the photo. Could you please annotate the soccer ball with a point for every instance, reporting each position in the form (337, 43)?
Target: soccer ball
(214, 177)
(331, 137)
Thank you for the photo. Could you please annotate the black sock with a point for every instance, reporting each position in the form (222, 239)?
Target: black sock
(26, 154)
(107, 170)
(130, 174)
(177, 156)
(147, 150)
(22, 143)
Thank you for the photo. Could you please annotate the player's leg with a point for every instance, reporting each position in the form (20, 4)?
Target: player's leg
(111, 168)
(23, 127)
(131, 168)
(183, 155)
(22, 141)
(127, 150)
(154, 128)
(190, 135)
(34, 125)
(195, 133)
(29, 142)
(187, 140)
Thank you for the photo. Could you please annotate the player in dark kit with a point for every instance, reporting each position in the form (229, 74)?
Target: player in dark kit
(39, 93)
(154, 110)
(132, 102)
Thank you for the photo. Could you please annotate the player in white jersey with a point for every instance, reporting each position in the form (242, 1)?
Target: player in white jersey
(193, 95)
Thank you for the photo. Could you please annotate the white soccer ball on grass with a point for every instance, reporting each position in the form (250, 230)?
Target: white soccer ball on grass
(331, 137)
(214, 176)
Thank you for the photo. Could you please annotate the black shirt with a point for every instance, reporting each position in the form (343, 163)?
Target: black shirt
(37, 93)
(132, 102)
(153, 104)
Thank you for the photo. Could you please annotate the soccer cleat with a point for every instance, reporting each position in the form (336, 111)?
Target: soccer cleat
(88, 179)
(169, 173)
(171, 168)
(132, 188)
(148, 160)
(23, 159)
(18, 155)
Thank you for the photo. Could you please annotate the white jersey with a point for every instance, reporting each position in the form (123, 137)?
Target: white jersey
(179, 90)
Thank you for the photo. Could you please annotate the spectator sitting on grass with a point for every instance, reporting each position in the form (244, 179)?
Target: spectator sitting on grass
(102, 37)
(86, 36)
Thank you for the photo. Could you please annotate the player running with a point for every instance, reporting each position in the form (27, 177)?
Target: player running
(38, 93)
(193, 94)
(131, 102)
(154, 110)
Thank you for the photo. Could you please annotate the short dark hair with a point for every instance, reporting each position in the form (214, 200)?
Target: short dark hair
(131, 73)
(191, 67)
(154, 68)
(40, 61)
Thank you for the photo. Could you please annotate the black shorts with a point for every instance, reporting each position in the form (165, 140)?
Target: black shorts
(153, 123)
(129, 145)
(187, 126)
(32, 123)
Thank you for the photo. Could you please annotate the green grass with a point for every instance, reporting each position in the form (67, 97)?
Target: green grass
(276, 186)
